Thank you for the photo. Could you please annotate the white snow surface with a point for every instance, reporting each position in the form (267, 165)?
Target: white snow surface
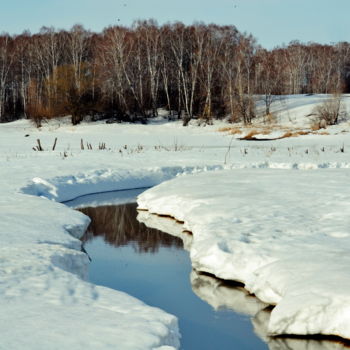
(45, 300)
(221, 295)
(265, 221)
(284, 234)
(299, 110)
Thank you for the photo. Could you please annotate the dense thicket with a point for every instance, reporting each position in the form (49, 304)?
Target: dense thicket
(199, 70)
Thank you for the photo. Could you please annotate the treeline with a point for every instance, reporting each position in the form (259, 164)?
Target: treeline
(208, 71)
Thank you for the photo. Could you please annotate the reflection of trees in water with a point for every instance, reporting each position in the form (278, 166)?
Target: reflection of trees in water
(119, 227)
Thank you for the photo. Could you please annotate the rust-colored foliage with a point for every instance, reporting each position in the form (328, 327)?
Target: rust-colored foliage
(205, 71)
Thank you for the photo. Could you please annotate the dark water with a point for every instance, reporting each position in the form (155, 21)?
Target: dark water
(153, 266)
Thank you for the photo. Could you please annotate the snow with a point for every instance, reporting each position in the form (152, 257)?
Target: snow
(284, 234)
(43, 285)
(248, 205)
(297, 110)
(227, 296)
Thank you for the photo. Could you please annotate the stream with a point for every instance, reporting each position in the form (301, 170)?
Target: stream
(154, 267)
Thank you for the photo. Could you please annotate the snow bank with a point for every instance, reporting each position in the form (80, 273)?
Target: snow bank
(284, 234)
(43, 272)
(221, 295)
(45, 300)
(65, 188)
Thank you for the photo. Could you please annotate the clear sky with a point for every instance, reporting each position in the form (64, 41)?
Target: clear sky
(272, 22)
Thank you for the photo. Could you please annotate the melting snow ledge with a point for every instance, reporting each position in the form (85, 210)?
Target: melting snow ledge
(284, 234)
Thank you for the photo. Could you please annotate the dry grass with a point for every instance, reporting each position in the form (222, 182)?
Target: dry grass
(295, 134)
(315, 127)
(231, 130)
(225, 129)
(318, 124)
(249, 133)
(235, 131)
(287, 134)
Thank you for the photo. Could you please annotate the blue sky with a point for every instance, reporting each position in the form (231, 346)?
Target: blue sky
(272, 22)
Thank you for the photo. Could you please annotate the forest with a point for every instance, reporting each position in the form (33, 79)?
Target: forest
(128, 73)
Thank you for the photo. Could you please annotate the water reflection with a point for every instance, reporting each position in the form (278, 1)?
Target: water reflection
(166, 283)
(304, 344)
(222, 295)
(230, 296)
(119, 227)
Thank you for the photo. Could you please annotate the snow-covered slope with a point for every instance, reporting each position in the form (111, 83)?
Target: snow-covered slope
(298, 110)
(45, 300)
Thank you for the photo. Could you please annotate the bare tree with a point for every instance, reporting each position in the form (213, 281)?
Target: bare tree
(6, 62)
(150, 33)
(200, 70)
(269, 75)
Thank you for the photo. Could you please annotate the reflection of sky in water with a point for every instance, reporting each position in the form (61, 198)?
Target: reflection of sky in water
(164, 279)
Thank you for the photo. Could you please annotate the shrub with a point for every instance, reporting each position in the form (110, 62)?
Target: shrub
(328, 112)
(37, 113)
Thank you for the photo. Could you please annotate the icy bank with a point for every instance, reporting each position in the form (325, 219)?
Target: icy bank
(284, 234)
(43, 272)
(46, 302)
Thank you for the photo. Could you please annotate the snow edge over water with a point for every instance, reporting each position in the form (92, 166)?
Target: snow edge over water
(267, 230)
(64, 188)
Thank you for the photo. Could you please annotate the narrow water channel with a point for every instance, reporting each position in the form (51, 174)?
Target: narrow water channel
(152, 266)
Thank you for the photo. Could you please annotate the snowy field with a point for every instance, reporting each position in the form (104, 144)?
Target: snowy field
(273, 215)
